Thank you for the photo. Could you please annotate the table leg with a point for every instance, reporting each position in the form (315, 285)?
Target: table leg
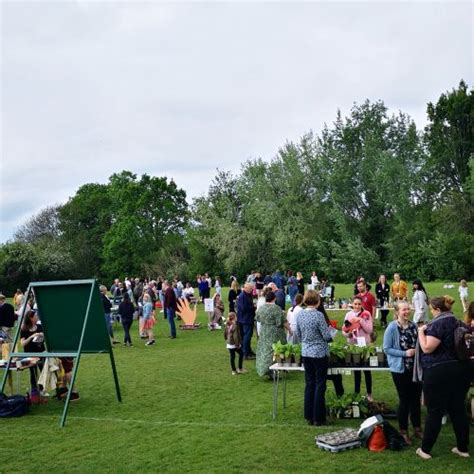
(10, 382)
(285, 375)
(276, 379)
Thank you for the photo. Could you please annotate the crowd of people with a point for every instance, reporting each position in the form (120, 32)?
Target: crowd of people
(420, 351)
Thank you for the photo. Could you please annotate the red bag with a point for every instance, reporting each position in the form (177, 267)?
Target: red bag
(377, 441)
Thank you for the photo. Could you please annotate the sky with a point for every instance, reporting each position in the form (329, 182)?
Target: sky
(181, 89)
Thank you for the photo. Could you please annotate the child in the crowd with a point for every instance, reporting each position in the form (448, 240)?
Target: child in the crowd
(358, 323)
(148, 319)
(218, 314)
(234, 343)
(218, 286)
(463, 294)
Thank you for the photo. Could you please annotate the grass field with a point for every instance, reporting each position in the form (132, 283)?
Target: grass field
(182, 410)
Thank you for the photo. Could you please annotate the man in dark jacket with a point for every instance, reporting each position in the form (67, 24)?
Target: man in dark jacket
(169, 307)
(246, 318)
(280, 297)
(7, 316)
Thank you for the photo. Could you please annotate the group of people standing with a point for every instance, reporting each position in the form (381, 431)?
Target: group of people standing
(423, 359)
(140, 303)
(420, 353)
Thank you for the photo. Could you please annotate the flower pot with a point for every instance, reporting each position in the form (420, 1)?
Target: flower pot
(348, 359)
(381, 358)
(356, 359)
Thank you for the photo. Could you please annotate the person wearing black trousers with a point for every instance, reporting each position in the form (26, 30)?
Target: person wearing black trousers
(336, 378)
(126, 310)
(445, 379)
(382, 292)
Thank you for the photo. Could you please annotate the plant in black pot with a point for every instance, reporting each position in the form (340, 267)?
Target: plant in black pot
(337, 354)
(380, 357)
(297, 354)
(356, 353)
(368, 352)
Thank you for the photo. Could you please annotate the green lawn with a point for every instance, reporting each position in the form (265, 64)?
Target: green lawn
(182, 410)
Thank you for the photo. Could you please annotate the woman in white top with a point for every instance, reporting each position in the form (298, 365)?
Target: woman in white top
(217, 286)
(419, 302)
(463, 294)
(260, 303)
(314, 280)
(291, 337)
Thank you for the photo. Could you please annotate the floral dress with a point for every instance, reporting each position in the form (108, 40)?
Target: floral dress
(271, 319)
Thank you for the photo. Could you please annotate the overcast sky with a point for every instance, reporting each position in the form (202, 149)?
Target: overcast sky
(179, 89)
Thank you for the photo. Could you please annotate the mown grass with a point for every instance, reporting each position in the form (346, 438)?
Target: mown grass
(182, 410)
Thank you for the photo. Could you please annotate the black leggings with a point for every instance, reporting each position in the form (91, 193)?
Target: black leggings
(445, 387)
(358, 378)
(383, 316)
(34, 373)
(126, 331)
(409, 395)
(232, 358)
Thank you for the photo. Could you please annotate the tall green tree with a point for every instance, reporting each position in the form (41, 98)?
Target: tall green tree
(84, 221)
(145, 213)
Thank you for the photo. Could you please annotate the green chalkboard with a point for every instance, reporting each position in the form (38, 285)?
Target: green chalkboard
(72, 317)
(62, 307)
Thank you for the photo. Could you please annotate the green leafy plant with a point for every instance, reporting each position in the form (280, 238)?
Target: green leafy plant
(338, 350)
(278, 351)
(288, 351)
(297, 350)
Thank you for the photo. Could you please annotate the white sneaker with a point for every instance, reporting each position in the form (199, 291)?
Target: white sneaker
(460, 453)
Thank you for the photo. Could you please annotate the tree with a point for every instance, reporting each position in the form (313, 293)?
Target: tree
(450, 142)
(84, 221)
(44, 225)
(145, 213)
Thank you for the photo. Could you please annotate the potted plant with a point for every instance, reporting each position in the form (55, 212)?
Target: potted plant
(278, 352)
(356, 353)
(368, 352)
(380, 357)
(297, 354)
(347, 356)
(337, 354)
(287, 352)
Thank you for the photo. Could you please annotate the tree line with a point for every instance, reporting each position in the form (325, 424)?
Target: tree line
(371, 193)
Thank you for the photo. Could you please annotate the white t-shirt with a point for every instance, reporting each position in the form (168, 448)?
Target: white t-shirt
(314, 280)
(463, 292)
(291, 316)
(420, 306)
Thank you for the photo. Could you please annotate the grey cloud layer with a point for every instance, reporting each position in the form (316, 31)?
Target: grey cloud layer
(178, 90)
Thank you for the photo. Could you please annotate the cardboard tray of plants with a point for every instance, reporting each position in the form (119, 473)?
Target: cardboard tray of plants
(338, 440)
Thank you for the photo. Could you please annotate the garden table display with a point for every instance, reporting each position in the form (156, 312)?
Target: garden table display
(280, 372)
